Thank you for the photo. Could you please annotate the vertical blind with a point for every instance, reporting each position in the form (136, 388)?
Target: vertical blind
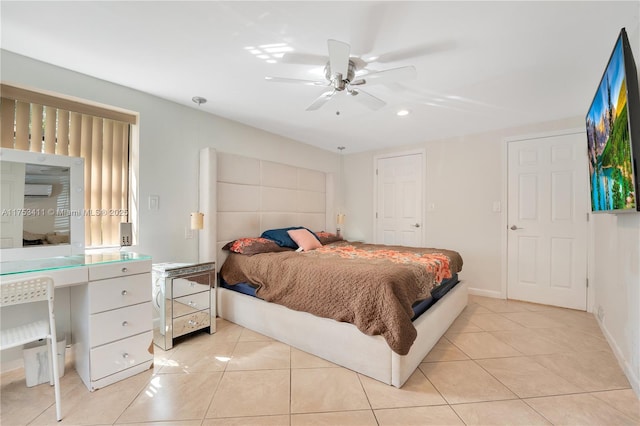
(102, 142)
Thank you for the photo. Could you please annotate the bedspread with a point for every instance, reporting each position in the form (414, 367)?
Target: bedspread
(370, 286)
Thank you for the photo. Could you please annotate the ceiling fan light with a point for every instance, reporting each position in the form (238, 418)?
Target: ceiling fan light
(402, 112)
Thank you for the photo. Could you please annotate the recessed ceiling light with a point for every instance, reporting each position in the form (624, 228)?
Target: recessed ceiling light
(402, 112)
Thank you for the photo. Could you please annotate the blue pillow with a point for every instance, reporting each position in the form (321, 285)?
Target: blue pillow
(282, 238)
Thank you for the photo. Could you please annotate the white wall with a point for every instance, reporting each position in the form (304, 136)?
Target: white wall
(170, 137)
(617, 287)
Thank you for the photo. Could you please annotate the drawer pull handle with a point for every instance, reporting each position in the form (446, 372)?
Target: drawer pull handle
(192, 303)
(124, 292)
(125, 355)
(125, 323)
(124, 270)
(192, 322)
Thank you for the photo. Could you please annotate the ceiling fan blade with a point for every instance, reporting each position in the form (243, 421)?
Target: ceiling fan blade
(388, 76)
(368, 26)
(296, 81)
(367, 99)
(321, 100)
(304, 59)
(339, 57)
(414, 52)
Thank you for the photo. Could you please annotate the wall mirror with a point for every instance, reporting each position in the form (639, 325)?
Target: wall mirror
(41, 205)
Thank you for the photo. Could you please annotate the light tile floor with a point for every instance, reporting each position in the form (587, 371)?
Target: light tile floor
(501, 362)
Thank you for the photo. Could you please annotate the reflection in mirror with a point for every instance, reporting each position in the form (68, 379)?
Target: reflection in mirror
(39, 195)
(35, 204)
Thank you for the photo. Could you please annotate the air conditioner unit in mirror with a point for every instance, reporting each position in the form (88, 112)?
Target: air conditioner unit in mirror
(37, 190)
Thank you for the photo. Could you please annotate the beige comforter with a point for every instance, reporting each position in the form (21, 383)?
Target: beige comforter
(372, 287)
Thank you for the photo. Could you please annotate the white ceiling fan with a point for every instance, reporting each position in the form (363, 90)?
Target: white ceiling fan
(344, 73)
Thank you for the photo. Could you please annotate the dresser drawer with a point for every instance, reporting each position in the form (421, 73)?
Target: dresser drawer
(192, 303)
(188, 323)
(119, 269)
(120, 355)
(119, 292)
(118, 324)
(191, 284)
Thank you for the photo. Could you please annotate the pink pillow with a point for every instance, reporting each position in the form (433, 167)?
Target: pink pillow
(304, 239)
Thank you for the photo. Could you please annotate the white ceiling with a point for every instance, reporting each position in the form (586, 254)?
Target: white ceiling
(480, 65)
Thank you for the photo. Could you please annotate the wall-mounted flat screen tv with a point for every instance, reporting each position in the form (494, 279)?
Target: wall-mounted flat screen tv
(613, 134)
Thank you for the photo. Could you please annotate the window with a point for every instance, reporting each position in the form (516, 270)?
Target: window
(55, 125)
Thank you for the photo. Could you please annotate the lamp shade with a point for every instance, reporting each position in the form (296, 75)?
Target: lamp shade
(197, 220)
(340, 219)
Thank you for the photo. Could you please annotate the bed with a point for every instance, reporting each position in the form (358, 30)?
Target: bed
(240, 197)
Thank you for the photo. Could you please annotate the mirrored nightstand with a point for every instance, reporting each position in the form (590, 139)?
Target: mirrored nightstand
(184, 300)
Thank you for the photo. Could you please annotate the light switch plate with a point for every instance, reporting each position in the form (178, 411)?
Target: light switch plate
(154, 202)
(126, 234)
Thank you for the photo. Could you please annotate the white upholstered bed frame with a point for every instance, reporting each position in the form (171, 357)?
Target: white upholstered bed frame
(242, 197)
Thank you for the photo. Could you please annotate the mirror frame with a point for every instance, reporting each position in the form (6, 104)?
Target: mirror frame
(76, 204)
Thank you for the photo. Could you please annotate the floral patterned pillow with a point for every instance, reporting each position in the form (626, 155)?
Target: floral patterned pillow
(327, 237)
(251, 246)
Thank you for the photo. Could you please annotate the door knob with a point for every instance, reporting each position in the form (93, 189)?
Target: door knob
(417, 225)
(513, 228)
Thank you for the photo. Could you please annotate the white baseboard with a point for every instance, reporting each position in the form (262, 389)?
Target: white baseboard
(487, 293)
(634, 380)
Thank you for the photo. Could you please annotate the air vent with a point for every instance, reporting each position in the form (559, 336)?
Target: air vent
(37, 190)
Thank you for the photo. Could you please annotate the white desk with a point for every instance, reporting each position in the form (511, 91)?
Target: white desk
(109, 307)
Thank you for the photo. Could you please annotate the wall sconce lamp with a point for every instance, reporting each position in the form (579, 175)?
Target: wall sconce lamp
(197, 220)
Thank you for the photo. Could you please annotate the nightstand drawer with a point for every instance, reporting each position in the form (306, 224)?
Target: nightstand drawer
(118, 324)
(192, 284)
(192, 303)
(120, 269)
(120, 355)
(119, 292)
(188, 323)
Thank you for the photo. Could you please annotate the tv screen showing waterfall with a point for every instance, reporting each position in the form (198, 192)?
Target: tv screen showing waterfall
(612, 134)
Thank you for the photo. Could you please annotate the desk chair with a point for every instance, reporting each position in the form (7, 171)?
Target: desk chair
(28, 290)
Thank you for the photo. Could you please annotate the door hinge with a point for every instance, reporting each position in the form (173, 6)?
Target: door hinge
(587, 217)
(376, 215)
(376, 172)
(587, 280)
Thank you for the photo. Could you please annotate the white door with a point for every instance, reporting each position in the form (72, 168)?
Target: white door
(548, 196)
(11, 203)
(399, 200)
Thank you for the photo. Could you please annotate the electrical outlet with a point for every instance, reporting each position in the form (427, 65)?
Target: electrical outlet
(126, 234)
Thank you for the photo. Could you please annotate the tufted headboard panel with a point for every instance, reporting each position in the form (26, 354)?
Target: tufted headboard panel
(253, 195)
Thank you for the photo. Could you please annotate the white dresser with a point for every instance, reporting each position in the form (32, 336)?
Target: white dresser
(112, 330)
(111, 312)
